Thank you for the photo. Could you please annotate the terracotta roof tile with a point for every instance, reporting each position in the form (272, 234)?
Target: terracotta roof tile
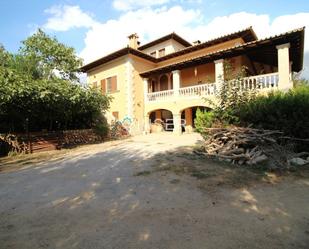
(247, 34)
(221, 53)
(165, 38)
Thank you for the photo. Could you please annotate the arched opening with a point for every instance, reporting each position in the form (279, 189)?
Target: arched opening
(189, 115)
(163, 83)
(161, 120)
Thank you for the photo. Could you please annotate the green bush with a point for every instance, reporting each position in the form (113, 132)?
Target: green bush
(288, 112)
(101, 130)
(40, 89)
(204, 119)
(101, 127)
(229, 96)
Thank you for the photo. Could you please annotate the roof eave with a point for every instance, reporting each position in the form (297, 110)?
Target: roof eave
(211, 42)
(226, 53)
(115, 55)
(173, 36)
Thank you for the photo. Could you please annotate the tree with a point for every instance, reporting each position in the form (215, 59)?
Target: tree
(53, 59)
(39, 88)
(232, 94)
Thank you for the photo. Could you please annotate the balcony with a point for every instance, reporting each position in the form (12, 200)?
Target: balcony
(265, 82)
(184, 92)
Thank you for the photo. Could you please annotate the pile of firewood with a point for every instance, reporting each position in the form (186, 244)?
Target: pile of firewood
(10, 143)
(247, 146)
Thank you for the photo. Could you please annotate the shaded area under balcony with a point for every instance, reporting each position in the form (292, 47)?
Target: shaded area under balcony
(161, 120)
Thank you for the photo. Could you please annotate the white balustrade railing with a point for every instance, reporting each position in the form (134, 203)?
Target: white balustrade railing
(161, 95)
(260, 82)
(198, 90)
(263, 81)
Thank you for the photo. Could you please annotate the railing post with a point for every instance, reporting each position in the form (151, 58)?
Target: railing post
(176, 82)
(285, 82)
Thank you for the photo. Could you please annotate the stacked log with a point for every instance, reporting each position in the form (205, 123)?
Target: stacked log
(244, 145)
(10, 143)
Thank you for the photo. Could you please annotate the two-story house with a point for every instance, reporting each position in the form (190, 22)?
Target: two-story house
(168, 78)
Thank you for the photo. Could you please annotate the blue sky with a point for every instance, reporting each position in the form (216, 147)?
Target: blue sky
(96, 27)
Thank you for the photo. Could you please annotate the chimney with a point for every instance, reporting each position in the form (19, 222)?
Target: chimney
(196, 42)
(133, 41)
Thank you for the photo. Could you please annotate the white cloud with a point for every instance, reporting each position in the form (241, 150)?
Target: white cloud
(261, 24)
(125, 5)
(148, 23)
(65, 17)
(152, 23)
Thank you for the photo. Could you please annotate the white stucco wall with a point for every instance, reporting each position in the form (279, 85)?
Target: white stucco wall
(170, 46)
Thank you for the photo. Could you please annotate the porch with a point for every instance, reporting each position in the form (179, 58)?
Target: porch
(263, 82)
(164, 120)
(190, 83)
(200, 77)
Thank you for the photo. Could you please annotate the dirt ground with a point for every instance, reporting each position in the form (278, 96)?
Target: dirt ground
(148, 192)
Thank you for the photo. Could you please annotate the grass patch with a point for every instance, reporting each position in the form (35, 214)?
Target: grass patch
(143, 173)
(176, 168)
(200, 174)
(174, 181)
(209, 172)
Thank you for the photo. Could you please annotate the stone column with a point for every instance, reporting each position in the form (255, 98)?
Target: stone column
(130, 92)
(146, 116)
(219, 72)
(176, 82)
(284, 67)
(177, 123)
(145, 80)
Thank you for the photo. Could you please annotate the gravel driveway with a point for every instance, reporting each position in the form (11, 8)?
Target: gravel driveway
(103, 196)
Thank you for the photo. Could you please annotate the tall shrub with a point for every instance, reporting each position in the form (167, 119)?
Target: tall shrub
(288, 112)
(230, 95)
(204, 119)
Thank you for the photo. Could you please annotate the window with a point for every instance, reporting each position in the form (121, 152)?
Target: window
(94, 85)
(154, 54)
(109, 85)
(161, 52)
